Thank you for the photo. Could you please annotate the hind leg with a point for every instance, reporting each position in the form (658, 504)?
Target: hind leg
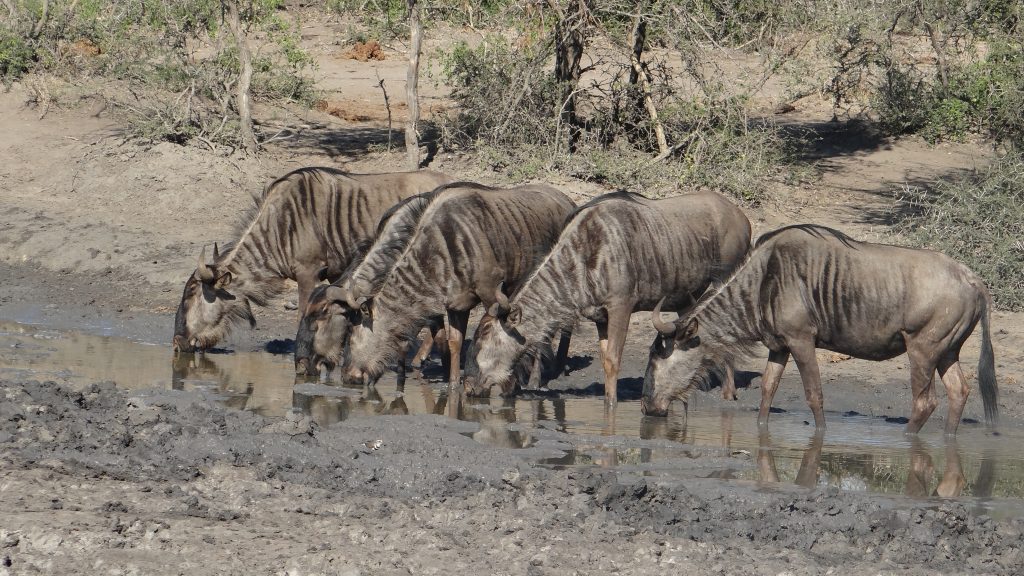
(807, 363)
(922, 376)
(957, 391)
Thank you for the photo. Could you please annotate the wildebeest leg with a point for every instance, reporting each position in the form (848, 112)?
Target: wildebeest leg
(457, 322)
(618, 325)
(562, 356)
(306, 281)
(957, 391)
(807, 476)
(807, 363)
(766, 468)
(602, 339)
(729, 384)
(920, 471)
(423, 352)
(922, 375)
(770, 383)
(439, 339)
(953, 481)
(535, 373)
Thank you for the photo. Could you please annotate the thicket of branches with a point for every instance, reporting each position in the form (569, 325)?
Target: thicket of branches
(184, 63)
(649, 81)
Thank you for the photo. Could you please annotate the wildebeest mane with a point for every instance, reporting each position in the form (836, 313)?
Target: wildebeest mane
(617, 195)
(815, 230)
(259, 199)
(417, 210)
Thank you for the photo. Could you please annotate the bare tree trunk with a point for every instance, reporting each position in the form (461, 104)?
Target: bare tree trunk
(638, 76)
(939, 46)
(245, 130)
(37, 28)
(412, 147)
(569, 39)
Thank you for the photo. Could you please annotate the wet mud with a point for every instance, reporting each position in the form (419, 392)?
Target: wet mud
(142, 462)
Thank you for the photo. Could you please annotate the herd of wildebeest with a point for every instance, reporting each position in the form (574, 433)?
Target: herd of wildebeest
(414, 250)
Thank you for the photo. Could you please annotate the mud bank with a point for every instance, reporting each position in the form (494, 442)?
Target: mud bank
(120, 482)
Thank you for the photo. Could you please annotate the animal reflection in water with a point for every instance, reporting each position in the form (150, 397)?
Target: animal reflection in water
(913, 475)
(495, 417)
(880, 471)
(327, 410)
(201, 369)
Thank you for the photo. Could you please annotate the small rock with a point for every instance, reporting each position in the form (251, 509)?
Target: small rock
(9, 540)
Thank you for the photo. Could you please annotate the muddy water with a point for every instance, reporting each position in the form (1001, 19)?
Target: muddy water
(857, 453)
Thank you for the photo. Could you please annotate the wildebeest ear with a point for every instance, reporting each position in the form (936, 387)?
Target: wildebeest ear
(223, 281)
(514, 316)
(687, 330)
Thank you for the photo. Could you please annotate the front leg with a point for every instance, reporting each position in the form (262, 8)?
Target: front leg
(562, 355)
(807, 476)
(770, 383)
(306, 281)
(618, 325)
(729, 383)
(457, 322)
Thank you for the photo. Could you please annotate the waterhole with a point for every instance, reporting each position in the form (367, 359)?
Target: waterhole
(856, 453)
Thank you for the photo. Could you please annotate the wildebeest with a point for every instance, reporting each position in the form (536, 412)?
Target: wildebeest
(618, 254)
(326, 321)
(808, 287)
(306, 222)
(470, 239)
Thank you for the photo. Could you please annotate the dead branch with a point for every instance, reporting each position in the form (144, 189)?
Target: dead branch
(387, 106)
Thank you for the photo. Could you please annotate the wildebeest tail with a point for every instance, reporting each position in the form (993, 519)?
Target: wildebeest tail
(987, 365)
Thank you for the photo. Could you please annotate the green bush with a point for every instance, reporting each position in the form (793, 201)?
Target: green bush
(16, 56)
(503, 98)
(977, 220)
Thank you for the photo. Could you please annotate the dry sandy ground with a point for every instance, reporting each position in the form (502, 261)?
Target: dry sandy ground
(97, 231)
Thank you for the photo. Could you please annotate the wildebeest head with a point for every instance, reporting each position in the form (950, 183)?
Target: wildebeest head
(323, 331)
(676, 363)
(499, 350)
(208, 307)
(372, 343)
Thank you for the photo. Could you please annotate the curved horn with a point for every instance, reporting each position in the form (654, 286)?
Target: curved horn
(352, 296)
(334, 293)
(663, 328)
(203, 271)
(503, 306)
